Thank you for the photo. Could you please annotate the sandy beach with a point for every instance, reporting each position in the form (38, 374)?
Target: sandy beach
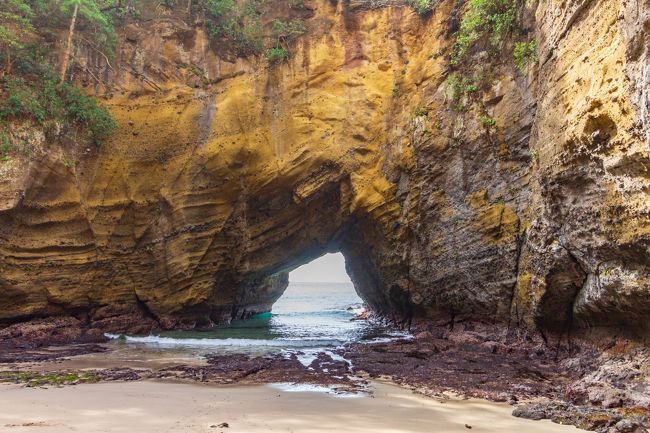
(159, 407)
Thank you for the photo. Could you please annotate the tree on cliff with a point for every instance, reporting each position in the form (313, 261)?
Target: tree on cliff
(92, 13)
(15, 30)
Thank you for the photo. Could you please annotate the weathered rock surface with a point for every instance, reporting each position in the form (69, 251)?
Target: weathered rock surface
(220, 181)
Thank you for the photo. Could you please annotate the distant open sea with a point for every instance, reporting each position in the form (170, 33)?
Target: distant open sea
(308, 318)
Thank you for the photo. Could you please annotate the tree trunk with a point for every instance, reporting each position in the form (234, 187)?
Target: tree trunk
(68, 48)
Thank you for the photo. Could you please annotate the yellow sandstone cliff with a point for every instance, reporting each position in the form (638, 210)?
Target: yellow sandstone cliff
(226, 173)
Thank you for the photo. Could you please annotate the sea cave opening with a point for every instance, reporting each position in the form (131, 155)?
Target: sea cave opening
(320, 306)
(320, 283)
(319, 311)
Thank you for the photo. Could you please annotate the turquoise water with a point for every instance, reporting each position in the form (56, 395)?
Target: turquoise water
(309, 317)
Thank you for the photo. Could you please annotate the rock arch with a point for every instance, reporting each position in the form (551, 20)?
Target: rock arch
(211, 190)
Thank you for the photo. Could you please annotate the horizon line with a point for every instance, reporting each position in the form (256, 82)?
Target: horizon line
(304, 282)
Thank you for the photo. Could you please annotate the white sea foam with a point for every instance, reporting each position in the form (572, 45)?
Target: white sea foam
(223, 342)
(336, 357)
(307, 358)
(396, 335)
(308, 319)
(301, 387)
(357, 310)
(308, 387)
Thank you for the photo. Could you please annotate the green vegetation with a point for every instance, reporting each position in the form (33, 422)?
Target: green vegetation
(83, 110)
(277, 54)
(525, 53)
(49, 104)
(487, 29)
(33, 379)
(283, 32)
(453, 89)
(21, 100)
(16, 29)
(239, 25)
(487, 21)
(422, 7)
(534, 154)
(90, 12)
(5, 147)
(420, 112)
(5, 143)
(486, 25)
(487, 121)
(30, 88)
(457, 85)
(287, 30)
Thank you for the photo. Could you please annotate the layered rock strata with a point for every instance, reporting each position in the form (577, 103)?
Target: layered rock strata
(226, 173)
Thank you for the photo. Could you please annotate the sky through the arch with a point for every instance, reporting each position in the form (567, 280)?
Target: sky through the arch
(329, 268)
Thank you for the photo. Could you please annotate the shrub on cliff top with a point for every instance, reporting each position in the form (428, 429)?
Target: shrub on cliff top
(15, 29)
(30, 88)
(238, 24)
(45, 102)
(21, 100)
(85, 112)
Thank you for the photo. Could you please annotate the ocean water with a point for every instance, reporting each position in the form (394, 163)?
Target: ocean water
(308, 318)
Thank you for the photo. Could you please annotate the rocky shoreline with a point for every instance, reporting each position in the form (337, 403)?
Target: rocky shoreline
(600, 390)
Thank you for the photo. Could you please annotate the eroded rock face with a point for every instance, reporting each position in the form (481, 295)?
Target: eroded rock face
(590, 193)
(219, 183)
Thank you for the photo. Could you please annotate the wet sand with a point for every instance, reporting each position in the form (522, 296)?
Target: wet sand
(158, 407)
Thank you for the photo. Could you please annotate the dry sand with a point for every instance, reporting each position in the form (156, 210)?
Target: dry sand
(164, 407)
